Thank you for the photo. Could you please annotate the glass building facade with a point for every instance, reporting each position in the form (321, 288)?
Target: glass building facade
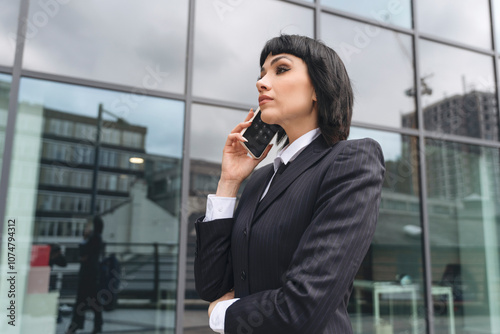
(121, 108)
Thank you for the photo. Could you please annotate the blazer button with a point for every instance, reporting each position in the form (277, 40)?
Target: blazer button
(243, 275)
(245, 231)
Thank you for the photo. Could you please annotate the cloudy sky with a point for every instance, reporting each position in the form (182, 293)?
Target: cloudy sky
(9, 12)
(464, 21)
(228, 44)
(124, 42)
(388, 11)
(114, 41)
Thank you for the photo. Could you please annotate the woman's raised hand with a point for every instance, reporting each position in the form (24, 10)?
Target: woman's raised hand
(236, 164)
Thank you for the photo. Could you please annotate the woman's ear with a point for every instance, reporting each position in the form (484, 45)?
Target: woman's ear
(315, 99)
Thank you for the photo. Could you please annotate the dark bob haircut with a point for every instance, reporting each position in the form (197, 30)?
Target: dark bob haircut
(329, 78)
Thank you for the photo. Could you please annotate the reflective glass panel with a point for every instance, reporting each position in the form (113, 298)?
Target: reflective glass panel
(496, 18)
(227, 67)
(4, 107)
(388, 289)
(8, 30)
(396, 12)
(466, 21)
(463, 184)
(124, 42)
(137, 195)
(380, 65)
(458, 91)
(209, 129)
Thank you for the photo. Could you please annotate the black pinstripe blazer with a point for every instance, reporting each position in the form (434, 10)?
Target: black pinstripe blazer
(292, 257)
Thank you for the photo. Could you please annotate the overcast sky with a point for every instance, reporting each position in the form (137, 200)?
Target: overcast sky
(114, 41)
(465, 21)
(387, 11)
(9, 13)
(125, 42)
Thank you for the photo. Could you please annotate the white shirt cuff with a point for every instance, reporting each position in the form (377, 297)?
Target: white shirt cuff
(218, 315)
(219, 207)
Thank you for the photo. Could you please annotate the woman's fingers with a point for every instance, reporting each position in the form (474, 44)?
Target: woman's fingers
(233, 138)
(249, 115)
(245, 124)
(241, 126)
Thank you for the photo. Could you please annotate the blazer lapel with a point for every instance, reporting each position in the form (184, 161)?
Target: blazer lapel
(311, 154)
(252, 201)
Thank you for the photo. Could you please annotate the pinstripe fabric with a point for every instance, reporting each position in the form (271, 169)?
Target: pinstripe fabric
(292, 258)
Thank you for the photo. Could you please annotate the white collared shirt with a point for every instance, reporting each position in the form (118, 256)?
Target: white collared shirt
(223, 208)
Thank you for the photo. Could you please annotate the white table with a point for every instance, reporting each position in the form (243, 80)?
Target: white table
(391, 288)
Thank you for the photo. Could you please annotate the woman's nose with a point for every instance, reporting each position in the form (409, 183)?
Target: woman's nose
(262, 84)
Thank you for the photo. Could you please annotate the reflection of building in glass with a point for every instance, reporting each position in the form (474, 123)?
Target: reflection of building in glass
(4, 95)
(473, 114)
(204, 179)
(455, 167)
(163, 175)
(66, 171)
(4, 106)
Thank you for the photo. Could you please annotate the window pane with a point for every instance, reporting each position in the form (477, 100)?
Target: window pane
(207, 143)
(370, 55)
(463, 203)
(393, 267)
(51, 185)
(8, 30)
(462, 21)
(496, 18)
(4, 107)
(384, 11)
(229, 39)
(118, 41)
(458, 92)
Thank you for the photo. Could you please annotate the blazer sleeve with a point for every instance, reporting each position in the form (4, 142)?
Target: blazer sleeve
(213, 270)
(319, 278)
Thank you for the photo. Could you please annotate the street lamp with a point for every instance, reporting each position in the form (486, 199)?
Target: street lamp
(97, 153)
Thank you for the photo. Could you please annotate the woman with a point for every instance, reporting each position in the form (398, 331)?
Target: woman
(285, 261)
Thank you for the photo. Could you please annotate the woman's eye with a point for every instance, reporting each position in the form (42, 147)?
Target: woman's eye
(281, 69)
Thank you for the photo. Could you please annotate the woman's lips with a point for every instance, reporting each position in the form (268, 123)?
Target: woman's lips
(263, 99)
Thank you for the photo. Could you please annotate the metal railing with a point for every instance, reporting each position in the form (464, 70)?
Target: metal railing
(147, 271)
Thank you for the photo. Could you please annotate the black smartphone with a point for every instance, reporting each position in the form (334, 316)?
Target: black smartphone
(259, 134)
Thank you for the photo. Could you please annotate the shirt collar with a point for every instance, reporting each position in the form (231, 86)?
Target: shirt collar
(291, 151)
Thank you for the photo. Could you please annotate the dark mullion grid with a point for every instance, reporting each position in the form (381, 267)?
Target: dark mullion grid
(449, 42)
(100, 85)
(496, 63)
(317, 20)
(364, 19)
(301, 3)
(462, 140)
(426, 36)
(186, 172)
(17, 72)
(12, 112)
(5, 69)
(424, 215)
(221, 103)
(401, 131)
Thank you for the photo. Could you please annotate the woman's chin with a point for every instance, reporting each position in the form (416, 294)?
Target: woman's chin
(267, 117)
